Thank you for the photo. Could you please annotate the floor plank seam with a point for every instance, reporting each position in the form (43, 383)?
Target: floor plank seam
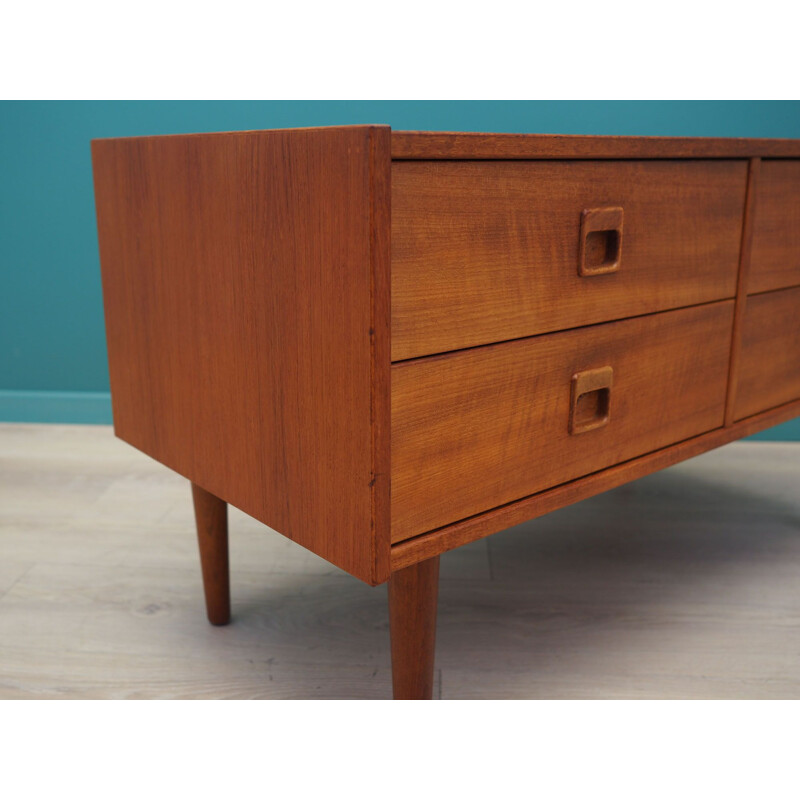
(5, 593)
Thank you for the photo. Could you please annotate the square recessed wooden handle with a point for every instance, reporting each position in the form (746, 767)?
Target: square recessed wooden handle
(590, 406)
(601, 241)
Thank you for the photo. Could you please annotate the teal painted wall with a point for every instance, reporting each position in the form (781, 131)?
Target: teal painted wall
(52, 346)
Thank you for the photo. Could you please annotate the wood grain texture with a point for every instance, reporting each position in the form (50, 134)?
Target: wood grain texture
(769, 363)
(485, 252)
(483, 427)
(244, 280)
(776, 228)
(745, 253)
(440, 145)
(449, 537)
(413, 603)
(211, 520)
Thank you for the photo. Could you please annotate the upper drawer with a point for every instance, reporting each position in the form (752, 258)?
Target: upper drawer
(488, 251)
(775, 259)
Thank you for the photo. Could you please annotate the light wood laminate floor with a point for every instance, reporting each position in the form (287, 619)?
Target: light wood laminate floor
(685, 584)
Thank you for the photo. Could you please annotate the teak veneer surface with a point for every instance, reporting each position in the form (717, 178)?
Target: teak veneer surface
(488, 251)
(245, 281)
(754, 167)
(479, 428)
(776, 227)
(769, 367)
(468, 530)
(436, 145)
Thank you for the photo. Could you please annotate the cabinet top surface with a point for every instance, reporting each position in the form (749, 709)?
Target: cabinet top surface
(412, 145)
(441, 145)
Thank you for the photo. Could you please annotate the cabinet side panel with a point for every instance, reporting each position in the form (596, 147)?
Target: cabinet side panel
(238, 288)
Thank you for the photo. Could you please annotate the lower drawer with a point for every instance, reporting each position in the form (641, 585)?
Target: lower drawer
(769, 361)
(479, 428)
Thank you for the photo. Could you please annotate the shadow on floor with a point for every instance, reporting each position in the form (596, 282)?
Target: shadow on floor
(623, 579)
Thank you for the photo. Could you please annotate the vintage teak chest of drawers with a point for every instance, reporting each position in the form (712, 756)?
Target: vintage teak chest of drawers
(384, 345)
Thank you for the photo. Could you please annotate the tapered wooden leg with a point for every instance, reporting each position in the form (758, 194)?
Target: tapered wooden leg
(413, 596)
(211, 516)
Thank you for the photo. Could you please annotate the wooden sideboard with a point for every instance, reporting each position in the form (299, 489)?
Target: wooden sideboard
(387, 344)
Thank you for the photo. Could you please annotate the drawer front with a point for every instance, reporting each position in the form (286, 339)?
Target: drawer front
(490, 251)
(479, 428)
(775, 258)
(769, 365)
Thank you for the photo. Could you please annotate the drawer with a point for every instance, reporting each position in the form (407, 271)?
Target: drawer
(479, 428)
(775, 258)
(489, 251)
(769, 360)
